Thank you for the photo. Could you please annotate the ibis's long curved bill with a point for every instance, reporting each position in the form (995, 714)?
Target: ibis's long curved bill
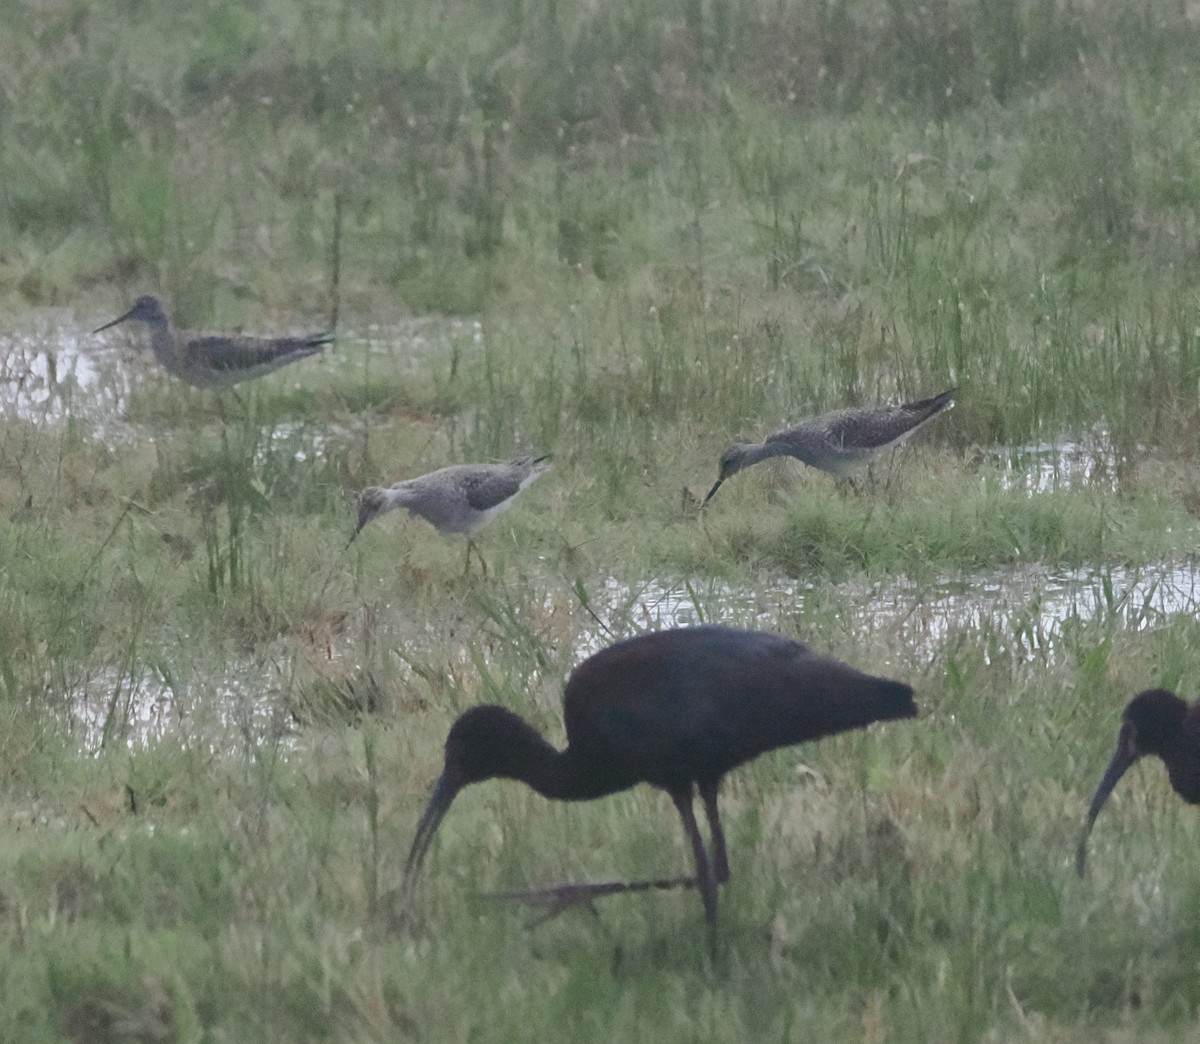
(443, 795)
(716, 486)
(1124, 756)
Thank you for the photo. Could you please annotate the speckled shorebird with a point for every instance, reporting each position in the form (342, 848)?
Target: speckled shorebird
(218, 360)
(1155, 722)
(837, 442)
(460, 499)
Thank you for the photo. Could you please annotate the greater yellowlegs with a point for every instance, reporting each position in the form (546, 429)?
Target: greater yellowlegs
(215, 360)
(460, 499)
(837, 442)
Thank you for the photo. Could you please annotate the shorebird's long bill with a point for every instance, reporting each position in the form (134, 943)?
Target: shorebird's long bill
(716, 486)
(1124, 756)
(363, 518)
(440, 800)
(366, 512)
(368, 508)
(372, 502)
(118, 319)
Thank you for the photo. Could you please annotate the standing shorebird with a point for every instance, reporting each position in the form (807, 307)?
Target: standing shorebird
(1155, 722)
(215, 361)
(676, 709)
(461, 499)
(837, 442)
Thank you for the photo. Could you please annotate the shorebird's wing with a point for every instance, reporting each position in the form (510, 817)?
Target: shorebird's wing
(875, 429)
(486, 491)
(234, 355)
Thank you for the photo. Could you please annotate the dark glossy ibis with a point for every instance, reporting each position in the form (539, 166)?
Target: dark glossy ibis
(1155, 722)
(676, 709)
(838, 442)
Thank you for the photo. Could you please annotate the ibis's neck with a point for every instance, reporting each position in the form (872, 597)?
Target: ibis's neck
(558, 774)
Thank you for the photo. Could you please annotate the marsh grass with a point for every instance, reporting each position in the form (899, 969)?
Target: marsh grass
(661, 227)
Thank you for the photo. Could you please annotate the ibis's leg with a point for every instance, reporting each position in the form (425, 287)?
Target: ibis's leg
(558, 898)
(708, 792)
(704, 872)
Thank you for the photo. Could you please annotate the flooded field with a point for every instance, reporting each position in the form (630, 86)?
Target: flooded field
(53, 374)
(1022, 611)
(219, 711)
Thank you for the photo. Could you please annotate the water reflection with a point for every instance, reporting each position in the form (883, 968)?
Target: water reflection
(1047, 467)
(115, 708)
(49, 374)
(1026, 609)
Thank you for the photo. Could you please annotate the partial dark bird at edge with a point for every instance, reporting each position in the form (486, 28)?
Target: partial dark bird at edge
(1155, 722)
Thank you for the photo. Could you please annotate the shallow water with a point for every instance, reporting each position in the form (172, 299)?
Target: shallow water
(52, 372)
(1046, 467)
(55, 370)
(1023, 612)
(217, 712)
(1024, 608)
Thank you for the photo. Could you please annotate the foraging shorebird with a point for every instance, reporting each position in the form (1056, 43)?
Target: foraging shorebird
(837, 442)
(215, 360)
(460, 499)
